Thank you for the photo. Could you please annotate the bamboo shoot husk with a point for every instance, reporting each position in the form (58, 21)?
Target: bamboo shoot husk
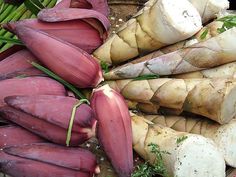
(192, 157)
(223, 135)
(152, 108)
(209, 9)
(223, 71)
(127, 70)
(158, 24)
(212, 98)
(213, 52)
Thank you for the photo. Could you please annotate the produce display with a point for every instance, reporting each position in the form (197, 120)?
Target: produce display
(156, 97)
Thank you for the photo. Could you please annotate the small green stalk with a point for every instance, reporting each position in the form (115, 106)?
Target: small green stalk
(27, 14)
(2, 7)
(59, 79)
(14, 16)
(45, 3)
(7, 46)
(72, 118)
(52, 3)
(6, 12)
(19, 11)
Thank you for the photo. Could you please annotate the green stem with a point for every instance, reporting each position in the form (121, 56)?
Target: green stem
(6, 12)
(52, 3)
(2, 8)
(59, 79)
(18, 12)
(7, 46)
(27, 14)
(13, 17)
(72, 118)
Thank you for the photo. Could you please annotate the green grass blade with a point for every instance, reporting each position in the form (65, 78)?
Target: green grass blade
(59, 79)
(34, 6)
(10, 40)
(72, 118)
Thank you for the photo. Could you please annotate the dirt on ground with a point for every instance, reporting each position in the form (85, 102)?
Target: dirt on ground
(121, 11)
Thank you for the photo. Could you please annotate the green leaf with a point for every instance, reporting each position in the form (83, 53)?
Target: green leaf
(34, 6)
(59, 79)
(10, 41)
(144, 170)
(2, 7)
(204, 34)
(181, 139)
(104, 66)
(158, 167)
(228, 23)
(147, 77)
(72, 118)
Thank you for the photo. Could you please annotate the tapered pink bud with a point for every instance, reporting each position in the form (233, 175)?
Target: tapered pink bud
(30, 86)
(49, 116)
(18, 64)
(84, 31)
(69, 62)
(47, 160)
(114, 128)
(12, 135)
(98, 5)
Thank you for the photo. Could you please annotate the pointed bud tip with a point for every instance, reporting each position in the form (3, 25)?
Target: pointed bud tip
(9, 26)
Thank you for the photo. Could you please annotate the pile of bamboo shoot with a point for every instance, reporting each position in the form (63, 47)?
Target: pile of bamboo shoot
(163, 85)
(164, 75)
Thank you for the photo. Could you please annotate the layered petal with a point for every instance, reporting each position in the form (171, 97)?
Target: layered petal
(114, 128)
(54, 109)
(69, 62)
(98, 5)
(47, 160)
(73, 158)
(95, 19)
(29, 86)
(49, 117)
(12, 135)
(76, 32)
(18, 64)
(10, 51)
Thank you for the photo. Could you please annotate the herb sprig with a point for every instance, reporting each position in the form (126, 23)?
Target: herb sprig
(146, 77)
(204, 34)
(228, 23)
(158, 167)
(181, 139)
(104, 66)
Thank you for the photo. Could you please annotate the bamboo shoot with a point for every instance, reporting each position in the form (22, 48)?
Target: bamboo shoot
(212, 98)
(158, 24)
(192, 157)
(223, 135)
